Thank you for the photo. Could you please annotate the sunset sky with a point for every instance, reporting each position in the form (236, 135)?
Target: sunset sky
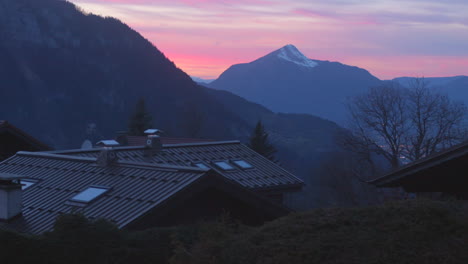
(390, 38)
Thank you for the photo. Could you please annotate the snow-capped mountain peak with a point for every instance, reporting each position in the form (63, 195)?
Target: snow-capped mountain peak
(292, 54)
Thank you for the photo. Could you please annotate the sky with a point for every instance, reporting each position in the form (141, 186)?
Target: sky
(389, 38)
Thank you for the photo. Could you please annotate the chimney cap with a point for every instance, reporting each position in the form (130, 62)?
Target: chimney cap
(108, 143)
(10, 177)
(153, 131)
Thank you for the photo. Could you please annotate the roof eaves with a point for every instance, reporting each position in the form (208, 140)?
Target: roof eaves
(423, 164)
(6, 125)
(10, 176)
(280, 187)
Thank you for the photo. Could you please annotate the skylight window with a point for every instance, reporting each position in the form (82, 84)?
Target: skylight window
(201, 165)
(89, 194)
(242, 164)
(26, 183)
(223, 165)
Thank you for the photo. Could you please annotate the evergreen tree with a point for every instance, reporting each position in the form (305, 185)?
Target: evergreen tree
(259, 142)
(140, 120)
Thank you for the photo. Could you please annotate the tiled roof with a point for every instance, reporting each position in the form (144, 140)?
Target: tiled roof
(264, 174)
(136, 188)
(141, 140)
(435, 159)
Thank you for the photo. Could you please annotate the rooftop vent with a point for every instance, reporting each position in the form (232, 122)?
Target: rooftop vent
(153, 131)
(11, 196)
(153, 141)
(108, 156)
(108, 143)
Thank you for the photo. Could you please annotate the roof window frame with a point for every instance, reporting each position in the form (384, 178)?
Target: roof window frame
(215, 163)
(203, 165)
(31, 182)
(235, 162)
(73, 199)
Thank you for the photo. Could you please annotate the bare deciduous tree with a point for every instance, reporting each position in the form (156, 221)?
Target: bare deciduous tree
(436, 122)
(404, 123)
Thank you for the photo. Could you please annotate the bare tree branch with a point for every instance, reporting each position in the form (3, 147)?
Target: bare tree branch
(404, 123)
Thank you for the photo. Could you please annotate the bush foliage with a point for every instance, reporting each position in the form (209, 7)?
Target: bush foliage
(405, 232)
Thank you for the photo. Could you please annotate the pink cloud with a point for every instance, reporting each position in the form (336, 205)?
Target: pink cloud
(311, 13)
(205, 37)
(356, 19)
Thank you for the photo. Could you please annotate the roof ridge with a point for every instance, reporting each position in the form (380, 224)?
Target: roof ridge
(118, 148)
(67, 151)
(55, 156)
(162, 166)
(119, 162)
(202, 143)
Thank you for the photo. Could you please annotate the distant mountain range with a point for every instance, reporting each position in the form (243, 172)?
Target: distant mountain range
(455, 87)
(287, 81)
(201, 80)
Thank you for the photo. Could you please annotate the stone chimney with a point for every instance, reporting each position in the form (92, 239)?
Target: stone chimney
(107, 156)
(153, 141)
(11, 196)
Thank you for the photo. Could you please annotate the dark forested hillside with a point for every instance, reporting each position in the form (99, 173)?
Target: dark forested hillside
(62, 69)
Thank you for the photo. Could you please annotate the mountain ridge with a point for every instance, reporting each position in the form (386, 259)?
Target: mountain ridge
(320, 88)
(456, 87)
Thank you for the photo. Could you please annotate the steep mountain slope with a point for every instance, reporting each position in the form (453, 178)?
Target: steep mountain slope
(63, 71)
(287, 81)
(455, 87)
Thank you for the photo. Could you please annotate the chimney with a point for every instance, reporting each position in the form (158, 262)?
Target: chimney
(107, 156)
(153, 141)
(122, 138)
(11, 196)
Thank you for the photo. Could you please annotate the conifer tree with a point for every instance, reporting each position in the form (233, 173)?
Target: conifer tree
(259, 142)
(140, 120)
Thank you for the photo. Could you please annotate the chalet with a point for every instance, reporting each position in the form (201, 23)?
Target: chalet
(231, 159)
(443, 172)
(13, 139)
(124, 188)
